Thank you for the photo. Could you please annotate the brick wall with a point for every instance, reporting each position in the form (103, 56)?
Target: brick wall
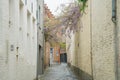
(56, 53)
(47, 54)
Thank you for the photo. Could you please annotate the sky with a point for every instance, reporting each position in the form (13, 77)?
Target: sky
(54, 5)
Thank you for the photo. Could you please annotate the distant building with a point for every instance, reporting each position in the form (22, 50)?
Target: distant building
(47, 11)
(48, 56)
(54, 57)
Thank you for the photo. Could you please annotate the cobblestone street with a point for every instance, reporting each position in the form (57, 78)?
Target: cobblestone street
(59, 72)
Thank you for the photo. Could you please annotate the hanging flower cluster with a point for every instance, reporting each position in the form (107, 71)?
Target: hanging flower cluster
(69, 18)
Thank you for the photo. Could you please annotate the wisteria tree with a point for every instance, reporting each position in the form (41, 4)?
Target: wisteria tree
(70, 16)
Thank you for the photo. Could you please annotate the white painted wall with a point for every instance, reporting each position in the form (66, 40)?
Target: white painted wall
(18, 64)
(118, 38)
(98, 42)
(40, 38)
(103, 40)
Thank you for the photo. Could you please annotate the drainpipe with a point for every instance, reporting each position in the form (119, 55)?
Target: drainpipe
(43, 34)
(114, 19)
(92, 78)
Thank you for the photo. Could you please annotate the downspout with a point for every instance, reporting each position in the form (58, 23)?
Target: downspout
(37, 57)
(91, 40)
(114, 19)
(43, 35)
(37, 42)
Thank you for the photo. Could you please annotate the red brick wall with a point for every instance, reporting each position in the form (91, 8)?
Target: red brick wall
(48, 13)
(47, 54)
(56, 56)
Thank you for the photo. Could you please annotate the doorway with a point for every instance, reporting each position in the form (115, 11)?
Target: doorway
(39, 61)
(63, 58)
(51, 56)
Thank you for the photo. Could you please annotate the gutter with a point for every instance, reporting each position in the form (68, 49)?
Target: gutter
(116, 38)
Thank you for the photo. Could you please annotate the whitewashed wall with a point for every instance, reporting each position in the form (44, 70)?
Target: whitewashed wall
(18, 40)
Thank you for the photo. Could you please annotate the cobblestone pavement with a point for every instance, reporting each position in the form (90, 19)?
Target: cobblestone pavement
(58, 72)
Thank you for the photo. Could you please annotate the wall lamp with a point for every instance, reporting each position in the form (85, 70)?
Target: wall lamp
(114, 11)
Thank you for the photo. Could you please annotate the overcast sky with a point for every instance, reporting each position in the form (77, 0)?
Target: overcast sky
(54, 5)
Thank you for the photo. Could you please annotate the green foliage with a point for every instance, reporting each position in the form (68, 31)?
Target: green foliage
(62, 45)
(82, 8)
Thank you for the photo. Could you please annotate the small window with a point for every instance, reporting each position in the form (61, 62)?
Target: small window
(57, 53)
(25, 2)
(37, 14)
(39, 7)
(51, 50)
(32, 7)
(63, 31)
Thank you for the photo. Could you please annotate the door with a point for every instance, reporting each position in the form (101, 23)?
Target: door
(63, 57)
(39, 62)
(51, 56)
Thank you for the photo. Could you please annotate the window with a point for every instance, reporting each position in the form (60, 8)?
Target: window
(57, 53)
(32, 7)
(51, 50)
(25, 2)
(63, 31)
(39, 14)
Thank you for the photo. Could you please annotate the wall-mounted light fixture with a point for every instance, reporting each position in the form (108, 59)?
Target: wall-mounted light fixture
(114, 11)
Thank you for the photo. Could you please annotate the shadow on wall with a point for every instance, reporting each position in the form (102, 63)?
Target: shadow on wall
(81, 74)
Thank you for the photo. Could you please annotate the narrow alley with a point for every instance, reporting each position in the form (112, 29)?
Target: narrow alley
(59, 72)
(59, 39)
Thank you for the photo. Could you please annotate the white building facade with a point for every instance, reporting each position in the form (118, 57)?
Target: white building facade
(94, 51)
(18, 39)
(40, 38)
